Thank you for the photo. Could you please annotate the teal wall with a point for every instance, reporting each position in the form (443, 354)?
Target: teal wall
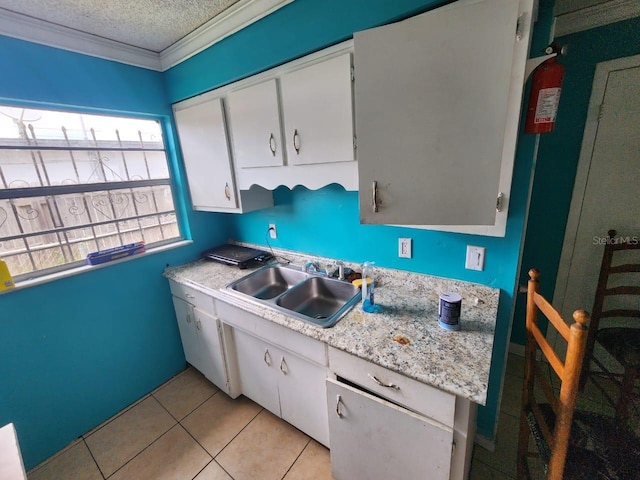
(559, 152)
(326, 221)
(76, 351)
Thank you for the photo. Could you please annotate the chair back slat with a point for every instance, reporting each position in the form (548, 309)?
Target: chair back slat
(548, 351)
(547, 389)
(622, 290)
(620, 313)
(626, 268)
(552, 315)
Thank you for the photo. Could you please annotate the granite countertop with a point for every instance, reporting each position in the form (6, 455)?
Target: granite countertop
(454, 361)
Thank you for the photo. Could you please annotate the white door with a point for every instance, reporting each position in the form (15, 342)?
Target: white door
(318, 114)
(213, 366)
(374, 439)
(205, 150)
(302, 391)
(255, 125)
(432, 107)
(257, 364)
(606, 192)
(188, 334)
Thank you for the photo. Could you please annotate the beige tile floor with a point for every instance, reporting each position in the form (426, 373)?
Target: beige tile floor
(188, 430)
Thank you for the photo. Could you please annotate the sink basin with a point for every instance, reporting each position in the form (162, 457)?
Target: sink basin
(312, 298)
(269, 282)
(319, 298)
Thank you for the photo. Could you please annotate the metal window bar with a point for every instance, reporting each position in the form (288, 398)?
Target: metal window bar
(83, 191)
(65, 252)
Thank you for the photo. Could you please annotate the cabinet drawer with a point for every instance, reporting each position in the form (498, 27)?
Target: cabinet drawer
(273, 333)
(196, 298)
(376, 440)
(429, 401)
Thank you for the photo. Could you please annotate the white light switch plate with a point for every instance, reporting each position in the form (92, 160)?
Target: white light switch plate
(404, 247)
(475, 258)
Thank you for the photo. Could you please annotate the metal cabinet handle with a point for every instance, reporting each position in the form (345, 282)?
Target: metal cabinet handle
(267, 357)
(227, 191)
(338, 411)
(387, 385)
(272, 144)
(283, 366)
(199, 325)
(188, 318)
(189, 295)
(375, 197)
(296, 141)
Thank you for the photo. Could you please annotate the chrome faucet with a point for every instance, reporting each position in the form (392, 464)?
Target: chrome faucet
(311, 267)
(340, 266)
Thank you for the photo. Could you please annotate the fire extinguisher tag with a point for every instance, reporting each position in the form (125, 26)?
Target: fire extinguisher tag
(547, 107)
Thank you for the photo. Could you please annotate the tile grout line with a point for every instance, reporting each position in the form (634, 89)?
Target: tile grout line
(93, 458)
(299, 455)
(189, 413)
(202, 469)
(213, 457)
(114, 417)
(144, 449)
(262, 409)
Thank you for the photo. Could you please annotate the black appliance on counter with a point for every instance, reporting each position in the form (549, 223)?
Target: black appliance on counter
(237, 256)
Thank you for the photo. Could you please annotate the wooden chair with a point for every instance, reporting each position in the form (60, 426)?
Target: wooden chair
(570, 444)
(621, 342)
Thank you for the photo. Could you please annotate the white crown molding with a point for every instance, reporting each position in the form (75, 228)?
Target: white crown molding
(235, 18)
(38, 31)
(596, 16)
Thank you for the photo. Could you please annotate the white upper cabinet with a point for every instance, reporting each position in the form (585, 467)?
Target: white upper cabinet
(318, 114)
(437, 102)
(205, 151)
(255, 123)
(293, 125)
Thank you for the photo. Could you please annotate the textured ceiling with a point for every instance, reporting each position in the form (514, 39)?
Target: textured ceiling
(150, 24)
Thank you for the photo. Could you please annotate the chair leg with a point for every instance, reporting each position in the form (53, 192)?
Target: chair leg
(523, 449)
(628, 379)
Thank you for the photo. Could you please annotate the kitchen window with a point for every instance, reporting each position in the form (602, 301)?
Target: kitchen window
(75, 183)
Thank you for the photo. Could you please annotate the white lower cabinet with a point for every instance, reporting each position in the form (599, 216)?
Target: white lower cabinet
(379, 424)
(256, 370)
(188, 333)
(285, 384)
(375, 439)
(201, 335)
(385, 425)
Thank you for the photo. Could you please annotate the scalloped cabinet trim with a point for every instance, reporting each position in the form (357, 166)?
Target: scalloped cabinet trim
(292, 125)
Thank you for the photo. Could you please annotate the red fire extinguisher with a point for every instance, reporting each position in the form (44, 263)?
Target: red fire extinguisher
(545, 96)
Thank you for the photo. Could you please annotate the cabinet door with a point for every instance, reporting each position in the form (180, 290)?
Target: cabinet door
(302, 391)
(375, 439)
(318, 114)
(211, 352)
(431, 112)
(255, 125)
(205, 150)
(188, 333)
(257, 364)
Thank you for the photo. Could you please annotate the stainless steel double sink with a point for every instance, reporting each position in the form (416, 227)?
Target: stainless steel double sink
(310, 297)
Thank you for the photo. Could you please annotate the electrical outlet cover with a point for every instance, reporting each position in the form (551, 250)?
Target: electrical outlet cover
(404, 248)
(475, 258)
